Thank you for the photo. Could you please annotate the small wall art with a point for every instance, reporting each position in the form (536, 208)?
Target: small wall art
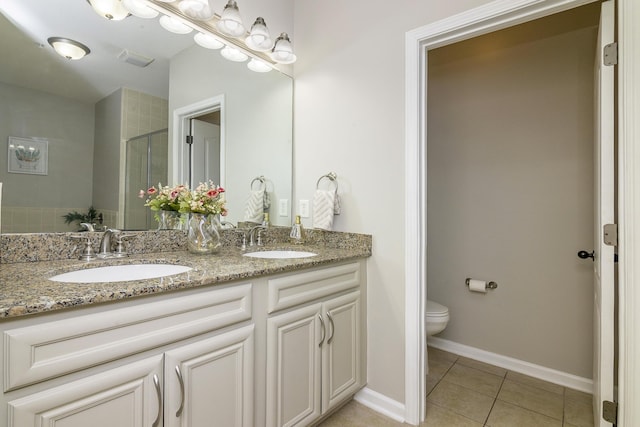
(28, 155)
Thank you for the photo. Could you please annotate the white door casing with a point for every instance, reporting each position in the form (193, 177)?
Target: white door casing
(603, 287)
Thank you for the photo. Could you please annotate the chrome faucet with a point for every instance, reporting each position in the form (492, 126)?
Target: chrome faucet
(105, 243)
(252, 232)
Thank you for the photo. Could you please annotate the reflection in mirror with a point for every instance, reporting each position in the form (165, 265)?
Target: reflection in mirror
(100, 132)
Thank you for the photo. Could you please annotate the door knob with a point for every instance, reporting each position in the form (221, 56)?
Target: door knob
(585, 255)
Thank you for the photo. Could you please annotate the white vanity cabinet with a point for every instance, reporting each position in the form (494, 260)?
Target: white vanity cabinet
(314, 344)
(133, 356)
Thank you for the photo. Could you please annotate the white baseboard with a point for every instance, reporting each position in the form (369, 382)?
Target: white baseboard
(381, 403)
(520, 366)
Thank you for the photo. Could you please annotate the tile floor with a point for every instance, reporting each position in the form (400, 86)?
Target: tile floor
(463, 392)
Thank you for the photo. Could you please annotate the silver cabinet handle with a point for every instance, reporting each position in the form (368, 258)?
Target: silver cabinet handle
(156, 383)
(333, 328)
(181, 382)
(324, 332)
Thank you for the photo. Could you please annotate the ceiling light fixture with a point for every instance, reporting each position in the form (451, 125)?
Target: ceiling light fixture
(112, 10)
(140, 9)
(208, 41)
(174, 25)
(233, 54)
(68, 48)
(230, 22)
(196, 9)
(282, 51)
(259, 38)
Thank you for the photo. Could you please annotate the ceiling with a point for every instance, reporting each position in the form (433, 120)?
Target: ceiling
(29, 61)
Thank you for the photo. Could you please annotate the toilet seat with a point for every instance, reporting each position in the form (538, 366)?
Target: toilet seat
(436, 310)
(436, 318)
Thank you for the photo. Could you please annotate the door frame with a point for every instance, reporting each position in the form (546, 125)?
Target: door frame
(491, 17)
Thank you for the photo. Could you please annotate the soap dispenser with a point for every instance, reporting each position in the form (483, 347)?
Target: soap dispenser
(297, 232)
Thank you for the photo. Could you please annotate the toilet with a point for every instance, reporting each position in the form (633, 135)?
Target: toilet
(437, 317)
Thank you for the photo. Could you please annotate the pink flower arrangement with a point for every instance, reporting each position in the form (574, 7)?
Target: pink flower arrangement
(164, 198)
(206, 198)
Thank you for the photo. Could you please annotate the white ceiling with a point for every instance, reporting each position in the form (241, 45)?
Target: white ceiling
(29, 61)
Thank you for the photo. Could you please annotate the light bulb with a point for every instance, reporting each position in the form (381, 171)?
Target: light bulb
(282, 51)
(230, 22)
(196, 9)
(259, 38)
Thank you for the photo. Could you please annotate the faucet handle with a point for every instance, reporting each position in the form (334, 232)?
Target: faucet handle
(243, 246)
(120, 252)
(87, 226)
(87, 252)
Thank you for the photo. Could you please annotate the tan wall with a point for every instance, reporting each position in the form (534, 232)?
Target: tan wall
(510, 189)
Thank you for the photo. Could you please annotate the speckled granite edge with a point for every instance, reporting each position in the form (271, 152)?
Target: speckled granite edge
(35, 247)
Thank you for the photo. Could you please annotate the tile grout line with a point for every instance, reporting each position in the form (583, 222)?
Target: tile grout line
(495, 399)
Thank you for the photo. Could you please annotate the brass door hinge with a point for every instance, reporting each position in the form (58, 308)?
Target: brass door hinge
(610, 411)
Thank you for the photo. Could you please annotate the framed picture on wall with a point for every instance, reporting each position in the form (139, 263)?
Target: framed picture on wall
(28, 155)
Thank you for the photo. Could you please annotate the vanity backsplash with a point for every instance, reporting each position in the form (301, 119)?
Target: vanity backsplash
(34, 247)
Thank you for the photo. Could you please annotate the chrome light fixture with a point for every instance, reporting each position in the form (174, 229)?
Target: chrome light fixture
(282, 51)
(174, 25)
(259, 38)
(196, 9)
(68, 48)
(112, 10)
(208, 41)
(230, 22)
(140, 9)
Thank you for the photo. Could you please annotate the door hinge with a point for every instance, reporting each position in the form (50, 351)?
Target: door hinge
(189, 139)
(610, 234)
(610, 54)
(610, 411)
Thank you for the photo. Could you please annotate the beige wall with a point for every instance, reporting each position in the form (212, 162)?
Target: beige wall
(349, 118)
(510, 189)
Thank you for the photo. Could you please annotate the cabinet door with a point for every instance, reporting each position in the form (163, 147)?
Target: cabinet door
(341, 351)
(210, 382)
(129, 396)
(294, 342)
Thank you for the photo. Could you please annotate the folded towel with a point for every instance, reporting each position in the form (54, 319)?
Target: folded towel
(323, 208)
(254, 211)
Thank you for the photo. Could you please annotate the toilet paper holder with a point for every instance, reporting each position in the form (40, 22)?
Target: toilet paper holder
(489, 285)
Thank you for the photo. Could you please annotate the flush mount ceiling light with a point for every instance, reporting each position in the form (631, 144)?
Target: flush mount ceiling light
(196, 9)
(258, 66)
(113, 10)
(174, 25)
(282, 51)
(68, 48)
(233, 54)
(259, 38)
(230, 22)
(208, 41)
(140, 9)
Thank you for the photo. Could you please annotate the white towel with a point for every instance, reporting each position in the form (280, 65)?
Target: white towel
(323, 208)
(254, 212)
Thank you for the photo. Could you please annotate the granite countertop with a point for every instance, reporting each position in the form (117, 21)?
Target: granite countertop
(25, 288)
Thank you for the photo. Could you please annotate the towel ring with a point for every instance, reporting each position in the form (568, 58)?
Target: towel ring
(330, 176)
(261, 179)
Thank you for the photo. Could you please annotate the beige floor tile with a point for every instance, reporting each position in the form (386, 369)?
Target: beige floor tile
(505, 414)
(431, 384)
(438, 367)
(533, 398)
(437, 354)
(354, 414)
(578, 413)
(441, 417)
(482, 366)
(461, 400)
(580, 396)
(525, 379)
(482, 382)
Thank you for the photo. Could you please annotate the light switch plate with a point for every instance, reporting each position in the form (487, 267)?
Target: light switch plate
(303, 208)
(283, 207)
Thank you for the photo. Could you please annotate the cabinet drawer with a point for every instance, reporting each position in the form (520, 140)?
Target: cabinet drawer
(288, 291)
(36, 353)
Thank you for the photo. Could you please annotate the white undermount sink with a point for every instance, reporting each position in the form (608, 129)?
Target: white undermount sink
(120, 273)
(284, 254)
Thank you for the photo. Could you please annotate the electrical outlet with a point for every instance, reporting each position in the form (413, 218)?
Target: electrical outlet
(303, 208)
(283, 207)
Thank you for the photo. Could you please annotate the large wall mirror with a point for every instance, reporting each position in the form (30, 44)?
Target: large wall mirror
(105, 128)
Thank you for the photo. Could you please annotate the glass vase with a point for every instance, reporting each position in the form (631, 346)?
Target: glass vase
(203, 235)
(169, 220)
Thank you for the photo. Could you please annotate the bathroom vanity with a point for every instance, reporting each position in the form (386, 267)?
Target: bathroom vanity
(236, 341)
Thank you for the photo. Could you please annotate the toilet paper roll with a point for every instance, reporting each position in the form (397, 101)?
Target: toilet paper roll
(478, 286)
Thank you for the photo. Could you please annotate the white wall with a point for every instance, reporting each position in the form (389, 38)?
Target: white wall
(510, 189)
(349, 118)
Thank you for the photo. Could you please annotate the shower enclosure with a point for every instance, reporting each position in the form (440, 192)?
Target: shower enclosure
(146, 166)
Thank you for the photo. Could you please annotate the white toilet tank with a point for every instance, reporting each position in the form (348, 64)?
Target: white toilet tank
(437, 317)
